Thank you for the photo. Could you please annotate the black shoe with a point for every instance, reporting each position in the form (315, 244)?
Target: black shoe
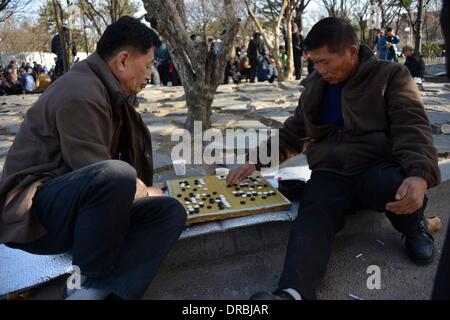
(276, 295)
(420, 246)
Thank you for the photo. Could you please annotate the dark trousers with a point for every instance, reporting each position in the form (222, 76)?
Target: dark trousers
(117, 243)
(253, 68)
(327, 198)
(298, 65)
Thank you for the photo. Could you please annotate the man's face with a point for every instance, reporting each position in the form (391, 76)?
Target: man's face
(134, 72)
(407, 53)
(334, 67)
(12, 77)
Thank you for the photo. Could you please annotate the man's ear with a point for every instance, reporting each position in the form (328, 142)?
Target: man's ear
(353, 51)
(121, 60)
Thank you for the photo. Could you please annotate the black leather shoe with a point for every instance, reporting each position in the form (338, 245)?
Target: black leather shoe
(420, 246)
(276, 295)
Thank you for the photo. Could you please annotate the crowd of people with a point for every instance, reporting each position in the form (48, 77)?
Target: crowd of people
(24, 79)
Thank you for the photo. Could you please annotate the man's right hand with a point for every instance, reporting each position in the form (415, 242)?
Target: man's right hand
(240, 173)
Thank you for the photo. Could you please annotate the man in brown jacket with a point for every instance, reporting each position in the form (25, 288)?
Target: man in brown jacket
(78, 176)
(368, 141)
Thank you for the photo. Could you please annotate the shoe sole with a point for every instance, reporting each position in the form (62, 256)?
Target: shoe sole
(422, 262)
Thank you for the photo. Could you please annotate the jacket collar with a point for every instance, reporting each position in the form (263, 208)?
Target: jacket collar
(315, 85)
(116, 94)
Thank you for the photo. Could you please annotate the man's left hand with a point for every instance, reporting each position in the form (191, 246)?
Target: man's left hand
(409, 196)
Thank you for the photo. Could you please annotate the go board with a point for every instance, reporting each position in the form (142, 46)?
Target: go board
(209, 198)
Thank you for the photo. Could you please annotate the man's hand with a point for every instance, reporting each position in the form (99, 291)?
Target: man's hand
(409, 196)
(155, 191)
(240, 173)
(143, 191)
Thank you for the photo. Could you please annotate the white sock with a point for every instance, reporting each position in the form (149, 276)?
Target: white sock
(294, 293)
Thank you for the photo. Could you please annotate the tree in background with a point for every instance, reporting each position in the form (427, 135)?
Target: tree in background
(9, 7)
(200, 67)
(101, 13)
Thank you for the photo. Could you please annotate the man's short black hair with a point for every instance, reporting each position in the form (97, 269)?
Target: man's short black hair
(126, 33)
(335, 33)
(389, 29)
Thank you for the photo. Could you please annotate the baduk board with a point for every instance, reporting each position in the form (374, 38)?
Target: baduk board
(209, 198)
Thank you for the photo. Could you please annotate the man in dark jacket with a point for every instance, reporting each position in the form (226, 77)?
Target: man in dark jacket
(78, 176)
(362, 125)
(297, 45)
(255, 52)
(414, 62)
(58, 50)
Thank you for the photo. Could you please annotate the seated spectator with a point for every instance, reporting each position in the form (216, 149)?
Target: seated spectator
(243, 70)
(414, 62)
(283, 57)
(43, 80)
(267, 70)
(12, 84)
(2, 81)
(27, 81)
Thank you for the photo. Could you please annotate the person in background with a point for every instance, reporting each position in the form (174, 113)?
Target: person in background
(43, 80)
(27, 81)
(283, 57)
(256, 51)
(311, 66)
(12, 84)
(414, 62)
(297, 46)
(387, 46)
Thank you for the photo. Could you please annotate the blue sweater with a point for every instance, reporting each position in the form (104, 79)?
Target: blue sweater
(331, 105)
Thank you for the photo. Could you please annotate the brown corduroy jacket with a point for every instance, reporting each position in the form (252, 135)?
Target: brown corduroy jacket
(75, 123)
(384, 117)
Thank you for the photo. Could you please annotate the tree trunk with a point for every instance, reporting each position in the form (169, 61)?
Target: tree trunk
(289, 75)
(201, 71)
(199, 106)
(418, 32)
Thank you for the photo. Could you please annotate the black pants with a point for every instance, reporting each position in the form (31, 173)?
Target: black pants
(327, 198)
(298, 64)
(117, 243)
(253, 68)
